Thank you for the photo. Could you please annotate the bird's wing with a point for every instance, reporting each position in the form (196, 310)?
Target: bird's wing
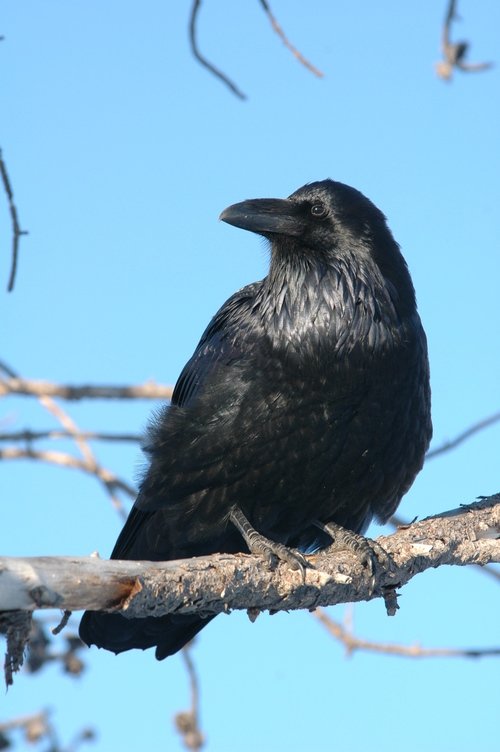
(226, 340)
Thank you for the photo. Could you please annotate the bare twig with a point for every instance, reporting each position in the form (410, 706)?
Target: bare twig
(16, 230)
(88, 455)
(475, 428)
(353, 643)
(30, 436)
(70, 426)
(37, 727)
(454, 53)
(491, 572)
(41, 652)
(110, 480)
(194, 47)
(149, 390)
(89, 462)
(186, 722)
(22, 721)
(63, 623)
(297, 55)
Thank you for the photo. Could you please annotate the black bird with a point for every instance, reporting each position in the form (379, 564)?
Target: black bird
(303, 413)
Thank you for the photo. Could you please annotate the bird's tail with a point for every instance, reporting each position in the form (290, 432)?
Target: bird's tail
(117, 633)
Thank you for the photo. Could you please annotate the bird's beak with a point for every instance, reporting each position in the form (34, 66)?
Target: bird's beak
(264, 216)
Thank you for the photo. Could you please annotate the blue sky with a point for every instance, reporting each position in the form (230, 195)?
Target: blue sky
(122, 152)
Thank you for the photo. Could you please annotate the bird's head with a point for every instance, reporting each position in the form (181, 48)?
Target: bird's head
(321, 216)
(325, 221)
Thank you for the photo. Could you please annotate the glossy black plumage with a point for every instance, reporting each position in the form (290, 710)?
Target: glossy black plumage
(306, 399)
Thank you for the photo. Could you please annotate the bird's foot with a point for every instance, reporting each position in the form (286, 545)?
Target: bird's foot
(264, 547)
(368, 551)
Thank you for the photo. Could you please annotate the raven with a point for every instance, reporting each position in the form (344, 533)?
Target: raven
(303, 413)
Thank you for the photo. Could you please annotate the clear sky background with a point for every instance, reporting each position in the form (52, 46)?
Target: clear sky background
(122, 152)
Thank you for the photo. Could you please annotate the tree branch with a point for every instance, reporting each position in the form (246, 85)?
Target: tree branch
(194, 49)
(36, 388)
(186, 722)
(220, 583)
(37, 727)
(16, 229)
(353, 643)
(29, 436)
(107, 478)
(295, 52)
(454, 53)
(223, 582)
(453, 443)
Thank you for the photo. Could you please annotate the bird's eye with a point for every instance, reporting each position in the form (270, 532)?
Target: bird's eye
(318, 210)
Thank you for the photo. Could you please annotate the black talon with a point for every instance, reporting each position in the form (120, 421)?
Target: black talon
(366, 549)
(258, 544)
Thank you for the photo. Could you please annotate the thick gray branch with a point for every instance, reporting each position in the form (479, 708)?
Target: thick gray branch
(213, 584)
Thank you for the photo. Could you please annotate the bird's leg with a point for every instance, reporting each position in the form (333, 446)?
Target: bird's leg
(365, 549)
(258, 544)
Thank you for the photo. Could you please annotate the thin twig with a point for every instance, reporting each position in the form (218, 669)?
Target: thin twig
(279, 31)
(69, 424)
(29, 436)
(149, 390)
(63, 623)
(194, 47)
(24, 720)
(488, 569)
(67, 460)
(88, 455)
(37, 727)
(16, 230)
(89, 462)
(186, 722)
(475, 428)
(454, 53)
(353, 643)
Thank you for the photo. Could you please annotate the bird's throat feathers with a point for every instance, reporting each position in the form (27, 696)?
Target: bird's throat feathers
(314, 297)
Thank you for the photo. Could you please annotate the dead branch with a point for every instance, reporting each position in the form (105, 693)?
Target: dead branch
(194, 48)
(453, 443)
(29, 436)
(16, 229)
(454, 53)
(149, 390)
(42, 652)
(353, 643)
(186, 722)
(297, 55)
(37, 727)
(222, 582)
(216, 72)
(106, 477)
(89, 461)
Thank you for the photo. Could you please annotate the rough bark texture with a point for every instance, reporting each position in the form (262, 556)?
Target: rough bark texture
(213, 584)
(221, 583)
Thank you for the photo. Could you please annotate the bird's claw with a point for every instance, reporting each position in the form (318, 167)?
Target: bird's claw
(268, 549)
(369, 552)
